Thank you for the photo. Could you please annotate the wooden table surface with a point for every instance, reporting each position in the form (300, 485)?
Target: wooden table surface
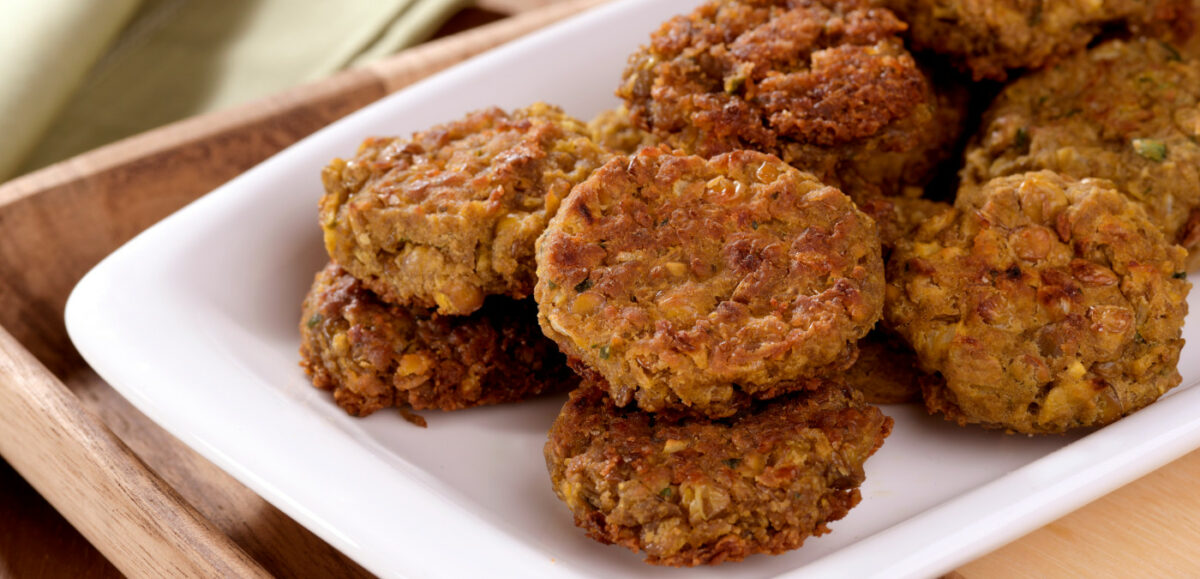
(1148, 528)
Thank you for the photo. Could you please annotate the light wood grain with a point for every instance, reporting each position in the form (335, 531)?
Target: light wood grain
(1148, 528)
(84, 470)
(60, 418)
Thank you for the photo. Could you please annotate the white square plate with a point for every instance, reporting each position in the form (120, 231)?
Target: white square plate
(195, 322)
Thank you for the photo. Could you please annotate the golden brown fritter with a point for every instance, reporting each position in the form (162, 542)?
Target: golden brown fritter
(704, 491)
(990, 37)
(827, 86)
(449, 216)
(707, 283)
(899, 217)
(615, 130)
(1044, 302)
(373, 355)
(886, 369)
(1126, 111)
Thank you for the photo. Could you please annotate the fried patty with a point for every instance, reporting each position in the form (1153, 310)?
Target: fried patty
(827, 86)
(899, 217)
(449, 217)
(708, 491)
(1044, 303)
(886, 368)
(1126, 111)
(885, 371)
(614, 129)
(705, 283)
(991, 37)
(373, 355)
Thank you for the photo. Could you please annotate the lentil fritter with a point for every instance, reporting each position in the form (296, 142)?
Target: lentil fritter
(690, 492)
(449, 217)
(827, 86)
(373, 355)
(1044, 303)
(1126, 111)
(614, 130)
(698, 283)
(899, 217)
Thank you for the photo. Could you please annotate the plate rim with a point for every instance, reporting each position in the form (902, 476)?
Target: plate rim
(1048, 502)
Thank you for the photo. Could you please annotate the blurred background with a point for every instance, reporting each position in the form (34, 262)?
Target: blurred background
(90, 72)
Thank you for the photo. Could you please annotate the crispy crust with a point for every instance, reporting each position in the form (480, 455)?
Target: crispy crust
(826, 86)
(1045, 303)
(989, 38)
(709, 491)
(1124, 111)
(899, 217)
(614, 130)
(448, 217)
(886, 368)
(373, 355)
(705, 283)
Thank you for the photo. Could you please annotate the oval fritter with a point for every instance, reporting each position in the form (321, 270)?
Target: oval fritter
(826, 86)
(448, 217)
(699, 491)
(373, 355)
(697, 283)
(1126, 111)
(1044, 302)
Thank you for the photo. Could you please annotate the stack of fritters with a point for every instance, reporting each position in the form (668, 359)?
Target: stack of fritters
(749, 73)
(442, 220)
(711, 305)
(711, 256)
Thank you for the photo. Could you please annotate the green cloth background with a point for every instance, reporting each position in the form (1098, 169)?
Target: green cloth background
(89, 72)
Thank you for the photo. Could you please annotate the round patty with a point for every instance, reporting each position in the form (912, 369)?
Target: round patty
(702, 491)
(705, 283)
(449, 216)
(989, 38)
(1126, 111)
(1044, 302)
(826, 86)
(373, 355)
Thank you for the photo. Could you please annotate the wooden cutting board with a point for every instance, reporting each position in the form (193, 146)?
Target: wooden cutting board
(154, 507)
